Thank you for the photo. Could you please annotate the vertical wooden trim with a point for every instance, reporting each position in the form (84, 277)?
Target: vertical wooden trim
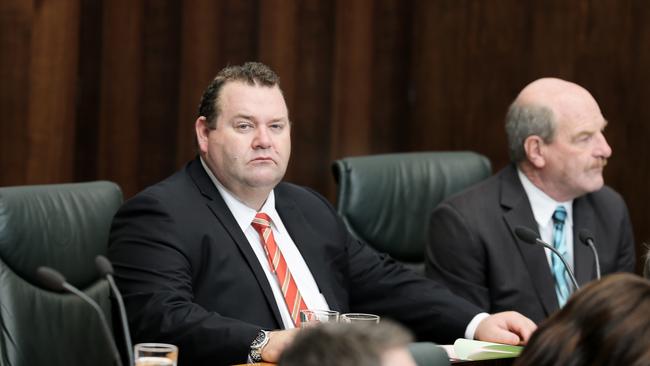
(353, 62)
(51, 103)
(120, 94)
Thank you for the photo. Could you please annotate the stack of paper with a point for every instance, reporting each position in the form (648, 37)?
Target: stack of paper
(467, 349)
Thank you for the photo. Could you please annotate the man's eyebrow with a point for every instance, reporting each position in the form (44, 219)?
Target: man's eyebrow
(242, 115)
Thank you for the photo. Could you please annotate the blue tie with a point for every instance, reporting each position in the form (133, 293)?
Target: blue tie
(559, 272)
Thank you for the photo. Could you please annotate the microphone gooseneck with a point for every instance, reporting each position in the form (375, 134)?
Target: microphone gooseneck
(588, 239)
(531, 237)
(106, 270)
(55, 281)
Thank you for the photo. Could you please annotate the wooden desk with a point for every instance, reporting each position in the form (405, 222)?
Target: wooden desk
(500, 362)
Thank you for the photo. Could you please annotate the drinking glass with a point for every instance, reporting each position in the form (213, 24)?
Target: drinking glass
(155, 354)
(310, 318)
(359, 318)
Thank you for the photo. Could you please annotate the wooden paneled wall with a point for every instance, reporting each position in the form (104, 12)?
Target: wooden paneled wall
(93, 89)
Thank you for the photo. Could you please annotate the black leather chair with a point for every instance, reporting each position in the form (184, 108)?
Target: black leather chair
(386, 200)
(64, 227)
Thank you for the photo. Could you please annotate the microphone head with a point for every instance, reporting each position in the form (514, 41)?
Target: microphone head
(51, 278)
(585, 235)
(103, 265)
(527, 235)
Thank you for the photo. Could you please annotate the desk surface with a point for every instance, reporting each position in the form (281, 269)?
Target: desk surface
(499, 362)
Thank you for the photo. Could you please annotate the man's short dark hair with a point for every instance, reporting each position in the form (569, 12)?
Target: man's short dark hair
(251, 73)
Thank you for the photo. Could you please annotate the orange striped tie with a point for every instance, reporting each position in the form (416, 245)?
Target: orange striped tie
(292, 297)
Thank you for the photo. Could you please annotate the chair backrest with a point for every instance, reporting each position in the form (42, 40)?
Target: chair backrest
(386, 200)
(62, 226)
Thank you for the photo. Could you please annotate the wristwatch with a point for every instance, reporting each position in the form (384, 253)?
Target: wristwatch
(259, 342)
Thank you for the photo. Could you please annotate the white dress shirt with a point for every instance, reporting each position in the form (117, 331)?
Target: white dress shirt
(543, 207)
(301, 274)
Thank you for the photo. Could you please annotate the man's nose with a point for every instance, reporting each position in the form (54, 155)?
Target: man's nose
(602, 147)
(262, 138)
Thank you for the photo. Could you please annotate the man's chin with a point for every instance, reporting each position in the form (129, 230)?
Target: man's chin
(264, 181)
(596, 185)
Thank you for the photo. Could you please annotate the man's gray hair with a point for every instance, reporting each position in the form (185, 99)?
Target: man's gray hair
(525, 120)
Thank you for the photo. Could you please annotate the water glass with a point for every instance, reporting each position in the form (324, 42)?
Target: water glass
(310, 318)
(359, 318)
(155, 354)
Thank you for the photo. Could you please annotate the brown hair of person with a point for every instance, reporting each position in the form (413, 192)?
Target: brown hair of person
(605, 323)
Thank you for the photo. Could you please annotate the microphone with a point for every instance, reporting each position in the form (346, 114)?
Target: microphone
(55, 281)
(588, 239)
(531, 237)
(106, 270)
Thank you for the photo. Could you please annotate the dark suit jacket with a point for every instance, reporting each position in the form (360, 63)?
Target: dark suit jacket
(189, 276)
(473, 248)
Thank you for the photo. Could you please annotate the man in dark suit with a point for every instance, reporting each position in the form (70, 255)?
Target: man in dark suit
(554, 186)
(220, 257)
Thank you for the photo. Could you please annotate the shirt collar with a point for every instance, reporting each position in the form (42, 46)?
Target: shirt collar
(243, 214)
(542, 205)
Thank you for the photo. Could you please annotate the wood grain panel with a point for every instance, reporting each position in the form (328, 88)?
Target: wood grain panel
(15, 41)
(353, 81)
(390, 106)
(88, 91)
(311, 87)
(199, 65)
(51, 102)
(158, 109)
(99, 89)
(119, 112)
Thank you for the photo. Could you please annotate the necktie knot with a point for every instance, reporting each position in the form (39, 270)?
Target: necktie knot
(261, 220)
(559, 215)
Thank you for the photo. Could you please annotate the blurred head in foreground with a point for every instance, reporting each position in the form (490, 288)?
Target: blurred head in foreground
(353, 344)
(607, 322)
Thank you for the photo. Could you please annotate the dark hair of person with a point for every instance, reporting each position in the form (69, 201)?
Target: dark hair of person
(339, 344)
(606, 323)
(251, 73)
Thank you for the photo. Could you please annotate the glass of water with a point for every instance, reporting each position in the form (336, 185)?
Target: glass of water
(155, 354)
(359, 318)
(310, 318)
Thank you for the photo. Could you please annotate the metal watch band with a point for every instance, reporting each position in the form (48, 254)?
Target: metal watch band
(258, 343)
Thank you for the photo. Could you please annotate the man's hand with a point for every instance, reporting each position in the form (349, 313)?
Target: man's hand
(278, 341)
(508, 327)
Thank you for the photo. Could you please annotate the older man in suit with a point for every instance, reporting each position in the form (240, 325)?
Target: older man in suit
(554, 186)
(220, 257)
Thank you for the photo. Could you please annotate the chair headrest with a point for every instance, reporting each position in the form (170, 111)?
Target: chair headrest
(387, 199)
(63, 226)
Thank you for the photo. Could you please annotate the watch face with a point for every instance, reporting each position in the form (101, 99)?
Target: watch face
(259, 340)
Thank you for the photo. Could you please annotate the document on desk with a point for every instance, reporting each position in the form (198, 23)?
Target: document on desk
(467, 349)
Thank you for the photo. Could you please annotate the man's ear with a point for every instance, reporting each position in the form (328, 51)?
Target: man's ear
(202, 130)
(534, 147)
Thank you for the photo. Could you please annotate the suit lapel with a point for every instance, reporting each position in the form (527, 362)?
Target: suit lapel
(218, 206)
(584, 261)
(309, 245)
(517, 212)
